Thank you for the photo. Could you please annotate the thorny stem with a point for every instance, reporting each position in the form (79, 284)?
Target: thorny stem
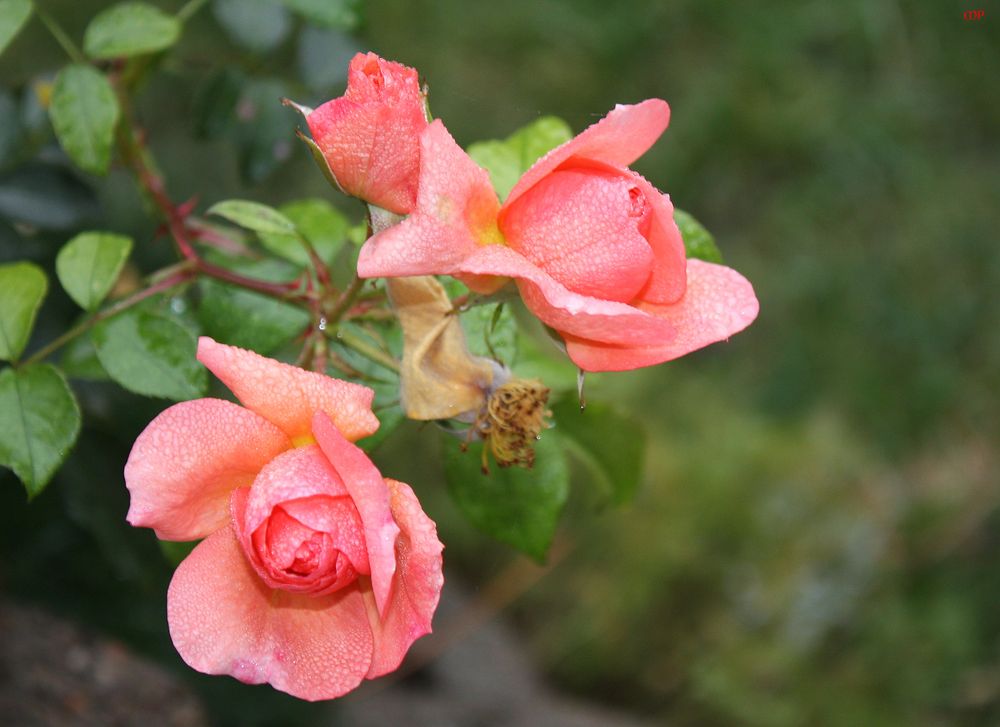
(169, 277)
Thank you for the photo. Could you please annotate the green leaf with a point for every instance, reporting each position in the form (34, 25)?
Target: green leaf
(490, 331)
(508, 159)
(698, 242)
(343, 14)
(39, 422)
(22, 288)
(611, 444)
(215, 103)
(246, 319)
(175, 551)
(79, 360)
(150, 354)
(324, 226)
(252, 24)
(13, 15)
(130, 29)
(516, 506)
(253, 216)
(89, 264)
(84, 112)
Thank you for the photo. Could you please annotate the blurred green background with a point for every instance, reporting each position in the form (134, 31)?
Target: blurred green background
(816, 537)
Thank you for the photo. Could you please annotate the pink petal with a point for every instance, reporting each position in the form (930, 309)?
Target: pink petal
(287, 395)
(298, 473)
(618, 139)
(718, 303)
(418, 583)
(224, 621)
(370, 136)
(186, 462)
(371, 496)
(456, 213)
(583, 227)
(668, 278)
(566, 311)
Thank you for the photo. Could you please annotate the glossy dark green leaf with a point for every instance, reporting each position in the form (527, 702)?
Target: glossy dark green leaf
(10, 126)
(698, 242)
(611, 444)
(130, 29)
(216, 101)
(253, 216)
(89, 264)
(150, 354)
(516, 506)
(343, 14)
(252, 24)
(22, 288)
(47, 197)
(323, 225)
(39, 422)
(13, 15)
(506, 160)
(84, 112)
(246, 319)
(175, 551)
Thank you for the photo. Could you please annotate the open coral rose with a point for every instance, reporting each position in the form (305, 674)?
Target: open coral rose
(591, 244)
(370, 136)
(314, 572)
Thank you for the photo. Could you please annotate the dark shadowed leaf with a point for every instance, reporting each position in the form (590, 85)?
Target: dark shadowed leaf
(22, 288)
(215, 103)
(39, 422)
(89, 264)
(323, 57)
(610, 444)
(252, 24)
(47, 197)
(84, 112)
(516, 506)
(343, 14)
(150, 354)
(130, 29)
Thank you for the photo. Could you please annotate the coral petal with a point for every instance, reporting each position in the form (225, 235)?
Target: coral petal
(186, 462)
(618, 139)
(668, 278)
(287, 395)
(223, 620)
(568, 312)
(718, 303)
(418, 583)
(371, 497)
(456, 207)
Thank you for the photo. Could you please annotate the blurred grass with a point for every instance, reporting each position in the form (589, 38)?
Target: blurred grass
(815, 541)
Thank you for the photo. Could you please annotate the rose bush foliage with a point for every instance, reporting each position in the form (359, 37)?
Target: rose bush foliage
(315, 572)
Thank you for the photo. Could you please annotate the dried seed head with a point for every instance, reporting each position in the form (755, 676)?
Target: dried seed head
(514, 416)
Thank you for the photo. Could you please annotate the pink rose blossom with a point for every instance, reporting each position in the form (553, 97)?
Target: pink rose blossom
(592, 245)
(370, 136)
(315, 572)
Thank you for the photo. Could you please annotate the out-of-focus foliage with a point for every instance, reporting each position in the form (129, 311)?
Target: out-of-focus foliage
(814, 537)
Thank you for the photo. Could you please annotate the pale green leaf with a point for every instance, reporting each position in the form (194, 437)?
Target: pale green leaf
(324, 226)
(253, 216)
(506, 160)
(84, 112)
(13, 15)
(698, 242)
(89, 264)
(130, 29)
